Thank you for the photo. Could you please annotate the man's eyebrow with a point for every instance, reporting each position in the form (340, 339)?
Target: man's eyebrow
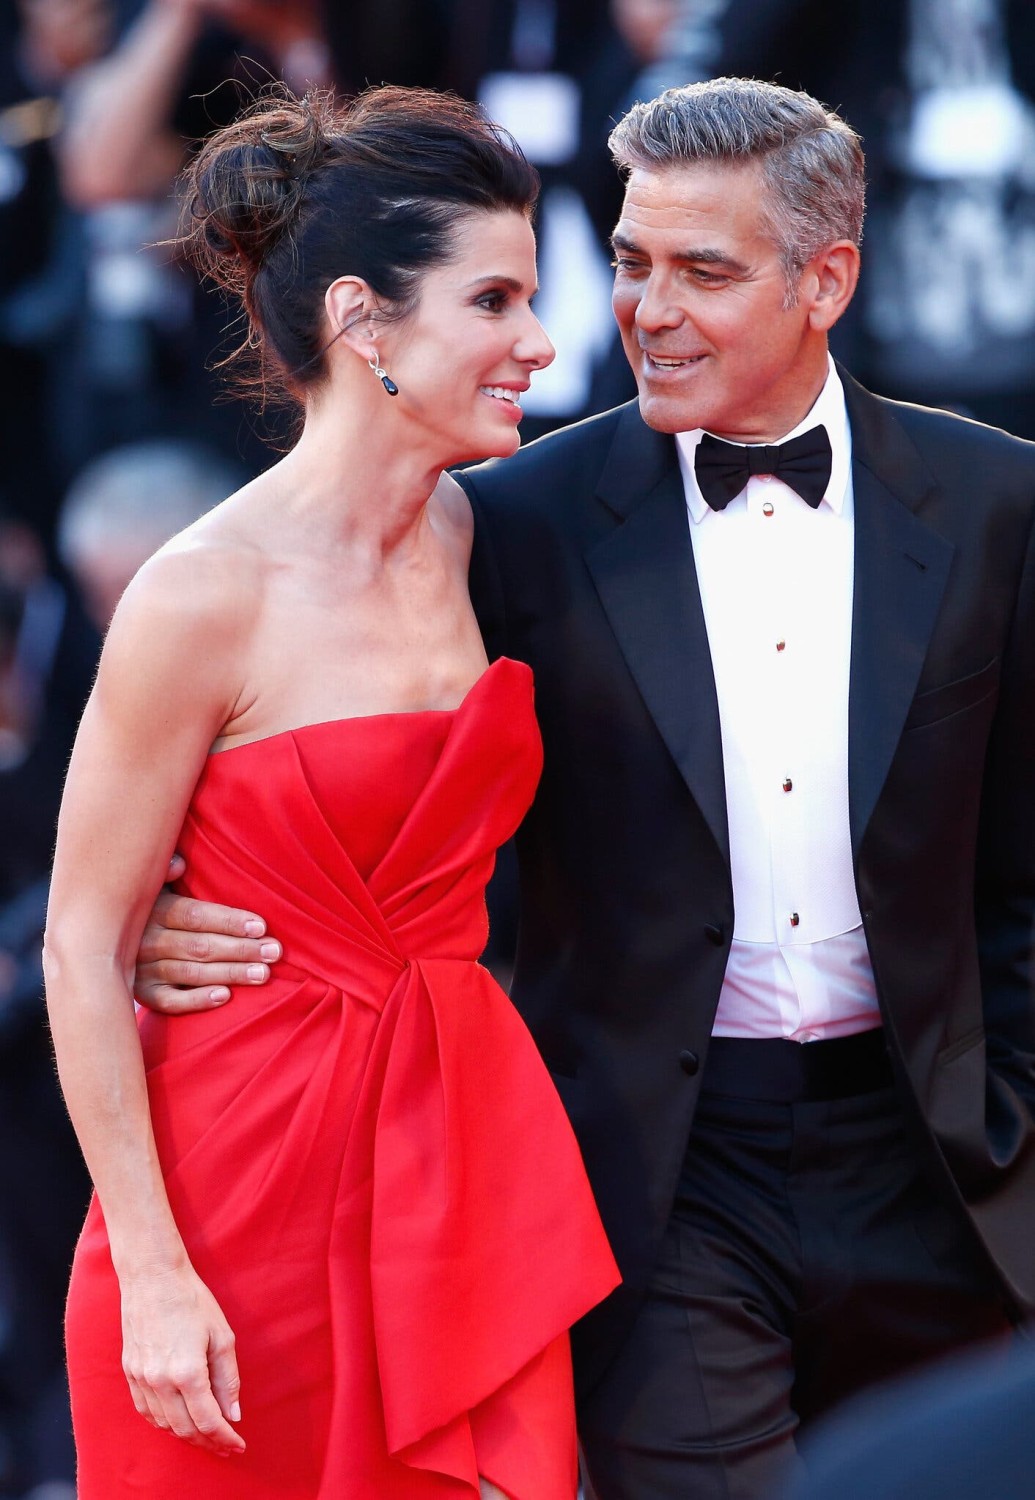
(622, 242)
(704, 256)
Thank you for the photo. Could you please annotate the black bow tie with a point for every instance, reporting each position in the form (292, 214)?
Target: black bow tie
(723, 469)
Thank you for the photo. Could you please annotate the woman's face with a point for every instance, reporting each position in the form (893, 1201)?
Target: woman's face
(465, 355)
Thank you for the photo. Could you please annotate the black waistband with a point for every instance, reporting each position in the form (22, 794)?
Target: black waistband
(797, 1072)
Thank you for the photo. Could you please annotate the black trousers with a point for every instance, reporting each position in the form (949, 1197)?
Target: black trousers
(808, 1255)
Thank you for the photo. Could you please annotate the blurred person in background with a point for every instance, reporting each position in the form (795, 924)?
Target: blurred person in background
(50, 663)
(43, 44)
(126, 503)
(148, 340)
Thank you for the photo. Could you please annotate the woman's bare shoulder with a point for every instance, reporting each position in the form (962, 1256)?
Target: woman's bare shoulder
(187, 619)
(210, 573)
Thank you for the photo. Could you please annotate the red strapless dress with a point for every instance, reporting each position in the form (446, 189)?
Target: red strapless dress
(366, 1157)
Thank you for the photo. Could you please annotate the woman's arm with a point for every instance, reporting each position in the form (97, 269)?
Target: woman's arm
(163, 692)
(119, 140)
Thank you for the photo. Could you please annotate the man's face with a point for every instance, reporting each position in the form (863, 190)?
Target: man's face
(699, 295)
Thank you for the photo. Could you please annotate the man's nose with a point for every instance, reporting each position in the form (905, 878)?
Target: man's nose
(658, 307)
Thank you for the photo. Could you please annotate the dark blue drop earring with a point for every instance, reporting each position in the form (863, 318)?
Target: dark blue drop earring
(382, 375)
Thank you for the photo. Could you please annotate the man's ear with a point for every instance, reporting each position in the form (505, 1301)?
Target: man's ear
(350, 304)
(830, 280)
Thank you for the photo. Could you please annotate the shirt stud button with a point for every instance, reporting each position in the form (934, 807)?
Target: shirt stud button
(767, 508)
(787, 783)
(795, 919)
(781, 645)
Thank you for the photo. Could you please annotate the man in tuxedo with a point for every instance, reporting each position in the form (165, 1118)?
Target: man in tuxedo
(778, 883)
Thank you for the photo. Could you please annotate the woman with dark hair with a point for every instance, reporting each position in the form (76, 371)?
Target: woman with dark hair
(340, 1229)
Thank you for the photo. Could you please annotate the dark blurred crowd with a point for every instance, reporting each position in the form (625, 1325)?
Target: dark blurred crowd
(116, 431)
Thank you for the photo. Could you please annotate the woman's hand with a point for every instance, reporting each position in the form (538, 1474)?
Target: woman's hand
(178, 1357)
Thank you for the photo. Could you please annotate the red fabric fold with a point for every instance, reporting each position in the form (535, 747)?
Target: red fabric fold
(479, 1197)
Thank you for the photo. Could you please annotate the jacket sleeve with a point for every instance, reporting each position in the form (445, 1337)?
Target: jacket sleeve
(484, 580)
(1005, 879)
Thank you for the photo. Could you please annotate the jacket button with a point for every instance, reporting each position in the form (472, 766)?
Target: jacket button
(714, 934)
(689, 1062)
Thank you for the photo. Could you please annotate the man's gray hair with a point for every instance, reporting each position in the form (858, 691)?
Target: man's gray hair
(811, 161)
(140, 494)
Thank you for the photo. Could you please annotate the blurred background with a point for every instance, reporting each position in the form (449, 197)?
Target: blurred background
(115, 430)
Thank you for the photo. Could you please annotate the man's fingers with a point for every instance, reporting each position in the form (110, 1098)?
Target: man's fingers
(175, 1002)
(180, 986)
(194, 976)
(168, 944)
(186, 914)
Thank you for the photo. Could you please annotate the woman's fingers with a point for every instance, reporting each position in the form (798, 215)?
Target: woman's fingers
(148, 1405)
(206, 1427)
(192, 1415)
(225, 1377)
(179, 1361)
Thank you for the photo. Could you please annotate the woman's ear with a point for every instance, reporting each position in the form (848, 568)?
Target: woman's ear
(350, 304)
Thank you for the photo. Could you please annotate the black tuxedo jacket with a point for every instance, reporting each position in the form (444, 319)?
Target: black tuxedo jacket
(583, 567)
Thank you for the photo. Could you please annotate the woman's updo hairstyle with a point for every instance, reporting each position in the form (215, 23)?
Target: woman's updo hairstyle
(299, 191)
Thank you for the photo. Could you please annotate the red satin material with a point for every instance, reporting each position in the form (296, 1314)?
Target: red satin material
(366, 1157)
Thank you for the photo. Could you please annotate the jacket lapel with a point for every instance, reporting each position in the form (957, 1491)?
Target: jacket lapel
(901, 569)
(644, 573)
